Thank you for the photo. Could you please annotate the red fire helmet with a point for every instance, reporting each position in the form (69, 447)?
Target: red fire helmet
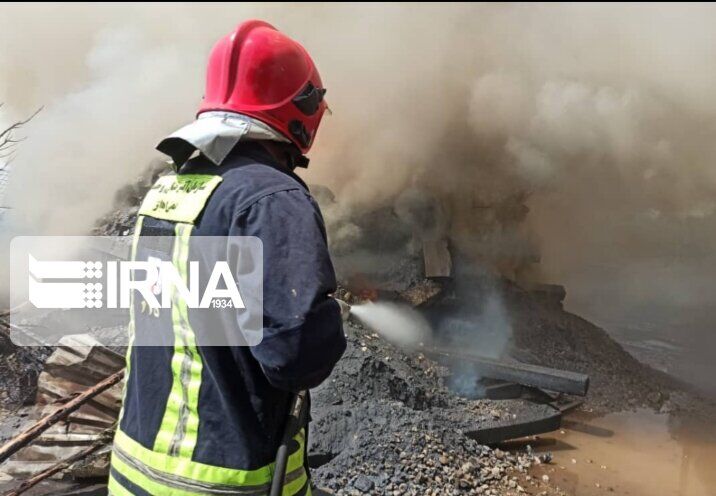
(260, 72)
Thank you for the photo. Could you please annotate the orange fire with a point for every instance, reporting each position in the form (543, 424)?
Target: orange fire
(368, 294)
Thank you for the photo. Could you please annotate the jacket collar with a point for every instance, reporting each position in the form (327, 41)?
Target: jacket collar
(244, 153)
(214, 135)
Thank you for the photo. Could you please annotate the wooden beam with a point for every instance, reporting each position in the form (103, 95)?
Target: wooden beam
(32, 433)
(58, 467)
(436, 257)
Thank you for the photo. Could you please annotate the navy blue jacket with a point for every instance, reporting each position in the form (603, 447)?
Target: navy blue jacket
(245, 391)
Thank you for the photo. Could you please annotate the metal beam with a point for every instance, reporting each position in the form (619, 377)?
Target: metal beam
(514, 430)
(561, 381)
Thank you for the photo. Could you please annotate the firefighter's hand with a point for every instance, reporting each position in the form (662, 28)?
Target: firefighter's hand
(345, 309)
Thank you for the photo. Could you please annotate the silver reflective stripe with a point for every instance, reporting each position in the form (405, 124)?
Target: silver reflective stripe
(185, 484)
(180, 431)
(181, 257)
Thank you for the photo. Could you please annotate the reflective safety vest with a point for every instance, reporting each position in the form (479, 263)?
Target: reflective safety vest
(186, 427)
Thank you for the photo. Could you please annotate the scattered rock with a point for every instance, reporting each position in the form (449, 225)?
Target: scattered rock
(401, 429)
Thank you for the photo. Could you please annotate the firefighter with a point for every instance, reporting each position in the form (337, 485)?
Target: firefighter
(208, 419)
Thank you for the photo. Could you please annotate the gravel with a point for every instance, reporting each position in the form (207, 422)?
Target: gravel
(548, 335)
(385, 423)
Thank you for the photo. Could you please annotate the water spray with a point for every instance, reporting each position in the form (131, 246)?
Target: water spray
(398, 323)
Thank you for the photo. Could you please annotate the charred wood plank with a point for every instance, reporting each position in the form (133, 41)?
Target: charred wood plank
(436, 258)
(561, 381)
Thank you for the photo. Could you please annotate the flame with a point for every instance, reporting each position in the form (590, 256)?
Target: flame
(368, 294)
(361, 287)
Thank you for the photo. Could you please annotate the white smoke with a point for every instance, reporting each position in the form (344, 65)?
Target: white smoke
(600, 117)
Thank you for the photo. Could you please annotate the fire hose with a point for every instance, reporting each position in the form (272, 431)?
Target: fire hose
(297, 415)
(296, 420)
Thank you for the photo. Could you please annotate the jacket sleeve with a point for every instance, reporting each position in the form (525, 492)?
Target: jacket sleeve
(303, 331)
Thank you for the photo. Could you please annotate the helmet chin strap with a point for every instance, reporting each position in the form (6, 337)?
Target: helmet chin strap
(287, 154)
(297, 160)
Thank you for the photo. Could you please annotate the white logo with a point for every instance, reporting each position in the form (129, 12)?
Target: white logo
(63, 285)
(48, 287)
(75, 284)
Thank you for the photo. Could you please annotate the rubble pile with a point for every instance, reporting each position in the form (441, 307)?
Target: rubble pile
(19, 370)
(426, 461)
(121, 219)
(76, 364)
(385, 423)
(546, 334)
(542, 332)
(392, 250)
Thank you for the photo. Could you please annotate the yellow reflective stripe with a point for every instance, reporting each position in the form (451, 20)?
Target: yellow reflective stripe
(131, 327)
(170, 486)
(201, 472)
(179, 428)
(149, 485)
(179, 198)
(117, 489)
(295, 486)
(180, 483)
